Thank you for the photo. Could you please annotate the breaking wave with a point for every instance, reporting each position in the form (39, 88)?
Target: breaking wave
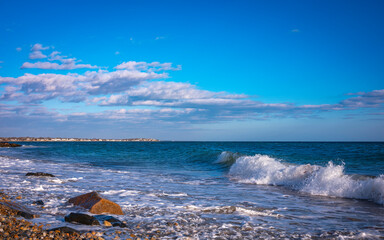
(329, 180)
(227, 158)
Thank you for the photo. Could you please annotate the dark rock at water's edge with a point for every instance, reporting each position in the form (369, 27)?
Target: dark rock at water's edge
(39, 202)
(81, 218)
(64, 230)
(39, 174)
(7, 144)
(114, 221)
(96, 204)
(10, 208)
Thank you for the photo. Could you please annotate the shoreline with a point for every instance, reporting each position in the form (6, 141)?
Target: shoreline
(49, 139)
(17, 227)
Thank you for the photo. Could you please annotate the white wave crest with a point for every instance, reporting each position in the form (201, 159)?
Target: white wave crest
(227, 158)
(233, 209)
(316, 180)
(331, 181)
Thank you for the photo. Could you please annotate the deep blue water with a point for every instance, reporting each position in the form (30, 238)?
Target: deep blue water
(359, 158)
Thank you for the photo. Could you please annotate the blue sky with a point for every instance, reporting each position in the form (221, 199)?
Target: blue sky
(193, 70)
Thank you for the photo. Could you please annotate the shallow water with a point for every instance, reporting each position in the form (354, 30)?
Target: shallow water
(230, 190)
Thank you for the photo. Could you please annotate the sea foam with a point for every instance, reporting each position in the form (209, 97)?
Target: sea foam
(329, 180)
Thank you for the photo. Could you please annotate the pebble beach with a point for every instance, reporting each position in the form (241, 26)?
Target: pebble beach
(12, 226)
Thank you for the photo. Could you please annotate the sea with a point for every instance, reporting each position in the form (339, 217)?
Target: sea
(210, 190)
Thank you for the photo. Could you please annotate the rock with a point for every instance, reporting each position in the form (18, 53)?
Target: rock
(7, 144)
(9, 208)
(82, 219)
(64, 230)
(96, 204)
(39, 202)
(107, 224)
(39, 174)
(110, 220)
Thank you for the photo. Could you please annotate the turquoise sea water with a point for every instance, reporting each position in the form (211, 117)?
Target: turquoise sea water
(232, 190)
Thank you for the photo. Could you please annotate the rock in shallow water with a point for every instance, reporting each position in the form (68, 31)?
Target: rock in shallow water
(82, 219)
(110, 220)
(96, 204)
(7, 144)
(39, 174)
(9, 208)
(39, 202)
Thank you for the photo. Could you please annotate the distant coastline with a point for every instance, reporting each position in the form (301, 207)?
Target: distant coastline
(59, 139)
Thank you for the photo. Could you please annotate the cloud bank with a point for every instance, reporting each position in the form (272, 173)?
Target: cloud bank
(141, 92)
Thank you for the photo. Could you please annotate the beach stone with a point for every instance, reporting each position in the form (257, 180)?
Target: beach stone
(39, 174)
(64, 230)
(10, 208)
(96, 204)
(107, 224)
(81, 218)
(3, 196)
(7, 144)
(110, 220)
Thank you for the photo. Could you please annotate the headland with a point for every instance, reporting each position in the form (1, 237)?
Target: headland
(60, 139)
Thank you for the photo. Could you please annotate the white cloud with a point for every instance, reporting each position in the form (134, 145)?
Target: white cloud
(65, 62)
(56, 66)
(144, 66)
(221, 105)
(206, 105)
(373, 99)
(118, 81)
(37, 55)
(29, 112)
(38, 47)
(132, 65)
(55, 56)
(162, 93)
(19, 49)
(72, 87)
(36, 51)
(365, 100)
(136, 88)
(138, 116)
(37, 88)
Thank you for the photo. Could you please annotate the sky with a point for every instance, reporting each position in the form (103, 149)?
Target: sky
(299, 70)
